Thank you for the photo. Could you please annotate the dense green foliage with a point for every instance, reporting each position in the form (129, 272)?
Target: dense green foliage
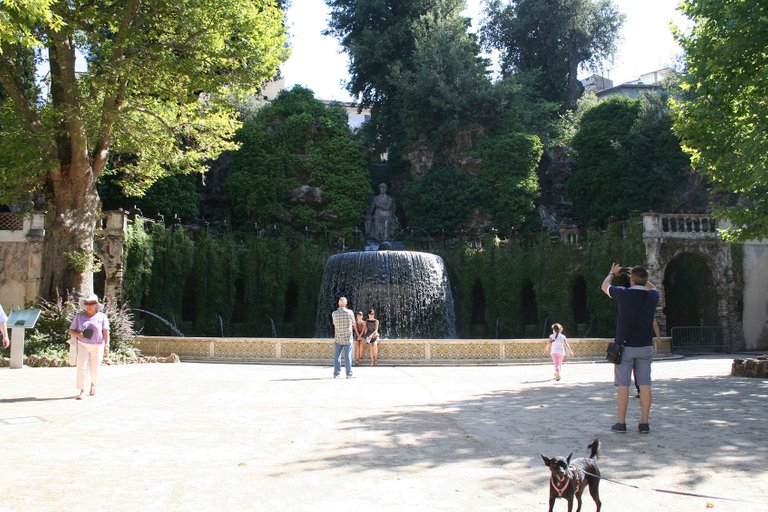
(173, 197)
(722, 113)
(293, 142)
(554, 272)
(554, 38)
(261, 287)
(152, 103)
(627, 159)
(216, 284)
(414, 64)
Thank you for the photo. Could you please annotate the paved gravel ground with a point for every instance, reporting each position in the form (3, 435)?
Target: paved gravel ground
(191, 436)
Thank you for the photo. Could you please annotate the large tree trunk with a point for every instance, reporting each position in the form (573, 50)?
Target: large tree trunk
(73, 212)
(73, 202)
(575, 89)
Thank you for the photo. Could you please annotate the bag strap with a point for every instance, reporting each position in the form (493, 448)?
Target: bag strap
(637, 316)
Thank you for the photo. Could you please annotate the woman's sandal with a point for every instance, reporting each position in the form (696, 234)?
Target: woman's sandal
(93, 389)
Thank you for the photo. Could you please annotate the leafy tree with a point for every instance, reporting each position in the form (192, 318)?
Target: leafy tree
(441, 201)
(414, 63)
(722, 112)
(149, 104)
(170, 197)
(446, 86)
(508, 180)
(627, 159)
(553, 37)
(296, 141)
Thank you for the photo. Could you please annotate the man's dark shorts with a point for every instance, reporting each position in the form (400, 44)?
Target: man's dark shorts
(638, 359)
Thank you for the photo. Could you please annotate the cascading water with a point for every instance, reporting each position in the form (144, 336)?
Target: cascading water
(409, 292)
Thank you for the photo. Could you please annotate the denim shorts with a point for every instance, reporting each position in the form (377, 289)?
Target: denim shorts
(638, 359)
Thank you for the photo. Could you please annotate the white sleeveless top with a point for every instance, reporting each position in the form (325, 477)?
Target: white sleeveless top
(558, 344)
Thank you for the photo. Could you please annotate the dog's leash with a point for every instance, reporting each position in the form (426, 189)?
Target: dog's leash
(667, 491)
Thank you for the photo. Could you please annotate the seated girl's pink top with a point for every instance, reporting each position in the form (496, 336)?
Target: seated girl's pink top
(97, 322)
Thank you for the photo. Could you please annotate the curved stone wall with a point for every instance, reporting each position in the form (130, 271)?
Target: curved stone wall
(320, 350)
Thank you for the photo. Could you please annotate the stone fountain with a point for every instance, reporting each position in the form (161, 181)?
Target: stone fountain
(408, 290)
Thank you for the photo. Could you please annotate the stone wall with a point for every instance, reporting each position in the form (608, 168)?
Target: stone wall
(320, 350)
(755, 317)
(20, 259)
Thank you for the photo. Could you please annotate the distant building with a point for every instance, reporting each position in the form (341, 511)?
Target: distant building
(647, 83)
(595, 83)
(355, 119)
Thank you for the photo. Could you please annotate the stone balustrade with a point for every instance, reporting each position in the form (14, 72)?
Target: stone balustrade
(320, 350)
(680, 225)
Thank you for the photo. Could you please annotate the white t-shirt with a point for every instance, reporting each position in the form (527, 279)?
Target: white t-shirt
(558, 343)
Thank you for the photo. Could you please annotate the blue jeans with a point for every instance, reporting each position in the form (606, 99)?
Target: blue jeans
(337, 359)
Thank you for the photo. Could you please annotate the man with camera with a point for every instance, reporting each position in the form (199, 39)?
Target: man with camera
(634, 329)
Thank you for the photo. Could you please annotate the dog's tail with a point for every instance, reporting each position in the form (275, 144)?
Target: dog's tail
(594, 446)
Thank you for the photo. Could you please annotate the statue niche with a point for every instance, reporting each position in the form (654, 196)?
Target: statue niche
(380, 221)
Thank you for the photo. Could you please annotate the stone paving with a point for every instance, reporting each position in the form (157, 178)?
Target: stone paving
(230, 437)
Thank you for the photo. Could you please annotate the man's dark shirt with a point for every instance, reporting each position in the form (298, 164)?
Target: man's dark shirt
(629, 301)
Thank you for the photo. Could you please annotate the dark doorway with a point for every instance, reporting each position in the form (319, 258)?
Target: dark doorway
(238, 311)
(100, 282)
(530, 310)
(478, 310)
(689, 292)
(579, 305)
(291, 302)
(188, 302)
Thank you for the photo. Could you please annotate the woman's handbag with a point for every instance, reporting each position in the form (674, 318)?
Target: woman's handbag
(72, 359)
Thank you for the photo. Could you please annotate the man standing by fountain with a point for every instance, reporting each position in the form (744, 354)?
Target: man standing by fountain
(343, 320)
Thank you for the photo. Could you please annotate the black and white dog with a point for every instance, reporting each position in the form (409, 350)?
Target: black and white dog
(569, 478)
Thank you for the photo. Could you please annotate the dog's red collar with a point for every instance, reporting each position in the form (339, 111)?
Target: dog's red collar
(560, 490)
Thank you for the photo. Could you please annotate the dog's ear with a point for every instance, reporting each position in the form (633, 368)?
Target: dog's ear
(547, 460)
(568, 460)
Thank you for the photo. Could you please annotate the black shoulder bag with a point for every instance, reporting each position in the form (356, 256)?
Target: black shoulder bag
(614, 350)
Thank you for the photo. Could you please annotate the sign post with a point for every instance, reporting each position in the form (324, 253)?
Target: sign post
(18, 322)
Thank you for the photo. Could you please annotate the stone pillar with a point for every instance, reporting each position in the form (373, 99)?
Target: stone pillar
(35, 238)
(112, 251)
(652, 239)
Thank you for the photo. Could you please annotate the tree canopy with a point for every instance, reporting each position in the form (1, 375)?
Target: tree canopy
(299, 166)
(553, 37)
(722, 112)
(147, 103)
(627, 159)
(413, 63)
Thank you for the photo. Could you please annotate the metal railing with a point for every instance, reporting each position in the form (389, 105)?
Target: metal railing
(698, 339)
(11, 222)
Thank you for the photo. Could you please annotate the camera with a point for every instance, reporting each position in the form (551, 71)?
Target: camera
(625, 270)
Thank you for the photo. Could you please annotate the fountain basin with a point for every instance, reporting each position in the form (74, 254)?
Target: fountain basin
(409, 291)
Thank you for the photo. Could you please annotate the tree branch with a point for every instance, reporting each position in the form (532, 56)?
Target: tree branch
(110, 109)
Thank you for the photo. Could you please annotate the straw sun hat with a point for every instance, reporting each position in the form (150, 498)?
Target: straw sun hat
(90, 298)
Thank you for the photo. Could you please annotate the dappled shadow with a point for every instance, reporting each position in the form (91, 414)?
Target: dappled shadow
(34, 399)
(722, 418)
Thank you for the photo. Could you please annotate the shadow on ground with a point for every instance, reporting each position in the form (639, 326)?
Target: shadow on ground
(723, 419)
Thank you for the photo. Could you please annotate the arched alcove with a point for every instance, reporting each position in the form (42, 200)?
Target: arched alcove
(529, 309)
(188, 306)
(478, 310)
(100, 282)
(579, 305)
(291, 301)
(690, 294)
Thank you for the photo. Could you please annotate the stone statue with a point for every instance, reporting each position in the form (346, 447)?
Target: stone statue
(380, 221)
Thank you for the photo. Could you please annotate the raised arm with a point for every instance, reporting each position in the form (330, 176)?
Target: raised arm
(615, 269)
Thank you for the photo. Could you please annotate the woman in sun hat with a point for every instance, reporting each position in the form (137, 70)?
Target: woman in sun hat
(91, 328)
